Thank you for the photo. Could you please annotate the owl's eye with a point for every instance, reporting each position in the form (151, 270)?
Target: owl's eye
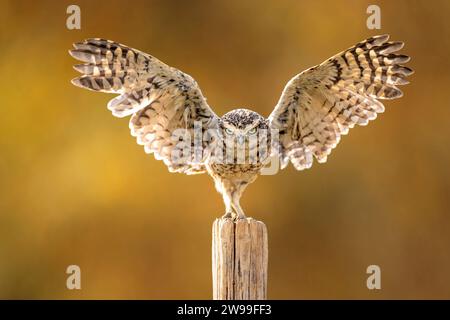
(252, 131)
(228, 131)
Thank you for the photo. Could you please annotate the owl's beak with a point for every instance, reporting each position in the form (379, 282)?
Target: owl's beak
(241, 139)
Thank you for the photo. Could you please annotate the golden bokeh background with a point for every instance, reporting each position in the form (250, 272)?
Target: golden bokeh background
(75, 188)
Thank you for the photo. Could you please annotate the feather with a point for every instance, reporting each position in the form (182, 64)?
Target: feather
(160, 99)
(321, 104)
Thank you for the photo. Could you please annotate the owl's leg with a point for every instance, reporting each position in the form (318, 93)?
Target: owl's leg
(226, 199)
(237, 207)
(235, 201)
(228, 207)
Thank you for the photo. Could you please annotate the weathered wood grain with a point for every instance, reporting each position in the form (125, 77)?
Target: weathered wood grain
(239, 259)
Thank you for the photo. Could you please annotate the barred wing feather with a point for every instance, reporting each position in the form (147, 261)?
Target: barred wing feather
(160, 99)
(321, 104)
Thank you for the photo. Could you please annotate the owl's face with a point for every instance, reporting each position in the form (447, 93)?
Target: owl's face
(243, 125)
(245, 135)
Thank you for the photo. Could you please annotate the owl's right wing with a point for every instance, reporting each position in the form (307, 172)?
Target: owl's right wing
(165, 103)
(321, 104)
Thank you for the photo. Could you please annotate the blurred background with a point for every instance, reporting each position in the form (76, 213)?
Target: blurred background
(75, 188)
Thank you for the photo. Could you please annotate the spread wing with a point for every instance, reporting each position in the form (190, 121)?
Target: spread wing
(165, 103)
(321, 104)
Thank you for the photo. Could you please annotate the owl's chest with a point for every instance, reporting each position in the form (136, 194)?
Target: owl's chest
(234, 170)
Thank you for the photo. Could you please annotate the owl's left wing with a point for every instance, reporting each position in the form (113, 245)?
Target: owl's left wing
(166, 104)
(321, 104)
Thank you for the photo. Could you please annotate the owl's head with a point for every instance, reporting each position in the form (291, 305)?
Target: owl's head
(242, 124)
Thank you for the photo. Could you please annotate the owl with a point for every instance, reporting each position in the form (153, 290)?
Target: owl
(171, 119)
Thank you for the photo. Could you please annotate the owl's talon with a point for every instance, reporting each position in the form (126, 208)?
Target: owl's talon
(227, 215)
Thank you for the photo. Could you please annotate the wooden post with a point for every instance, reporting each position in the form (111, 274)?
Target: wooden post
(239, 259)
